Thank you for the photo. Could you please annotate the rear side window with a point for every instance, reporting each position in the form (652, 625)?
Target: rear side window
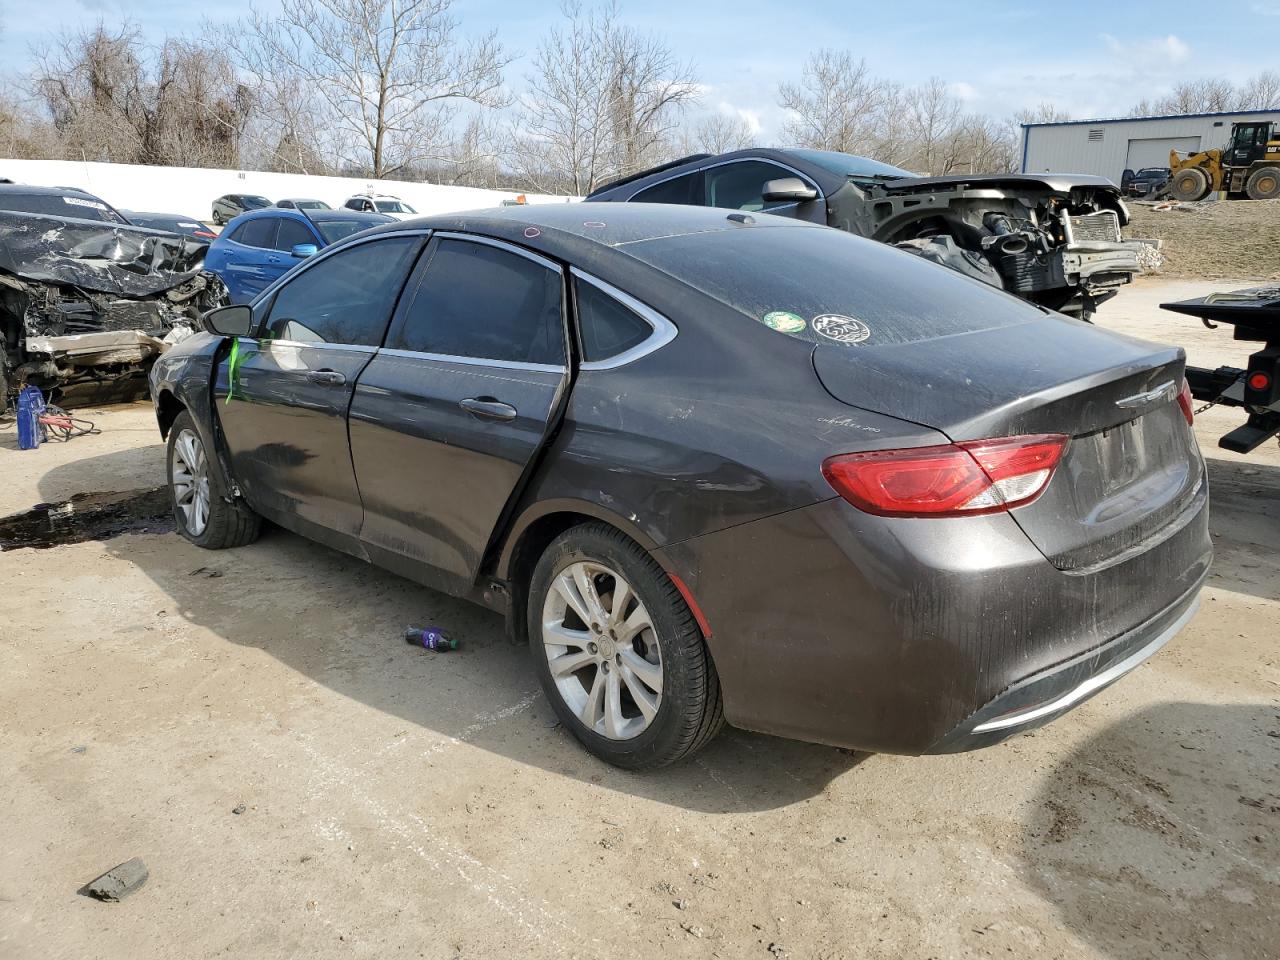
(686, 190)
(292, 233)
(346, 298)
(480, 301)
(608, 328)
(258, 233)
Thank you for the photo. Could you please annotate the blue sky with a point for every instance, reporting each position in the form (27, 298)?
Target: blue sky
(997, 56)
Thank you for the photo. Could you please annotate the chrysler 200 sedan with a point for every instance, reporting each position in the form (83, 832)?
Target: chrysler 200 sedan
(713, 467)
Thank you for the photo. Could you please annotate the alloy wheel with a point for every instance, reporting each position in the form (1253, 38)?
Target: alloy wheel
(190, 479)
(603, 651)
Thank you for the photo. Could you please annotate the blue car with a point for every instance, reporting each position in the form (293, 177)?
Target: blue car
(258, 247)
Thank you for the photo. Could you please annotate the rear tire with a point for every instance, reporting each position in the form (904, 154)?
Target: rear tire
(641, 673)
(202, 510)
(1191, 184)
(1263, 184)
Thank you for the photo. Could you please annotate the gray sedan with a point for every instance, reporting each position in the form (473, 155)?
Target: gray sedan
(712, 467)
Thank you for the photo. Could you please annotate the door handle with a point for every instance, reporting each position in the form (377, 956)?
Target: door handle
(488, 408)
(328, 378)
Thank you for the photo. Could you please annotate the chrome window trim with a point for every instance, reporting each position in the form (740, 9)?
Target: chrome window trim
(473, 361)
(501, 245)
(724, 163)
(664, 331)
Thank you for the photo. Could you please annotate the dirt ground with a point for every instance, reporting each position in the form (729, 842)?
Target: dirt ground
(1213, 241)
(404, 804)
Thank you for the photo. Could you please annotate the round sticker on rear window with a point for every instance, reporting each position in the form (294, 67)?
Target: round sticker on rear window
(783, 321)
(842, 329)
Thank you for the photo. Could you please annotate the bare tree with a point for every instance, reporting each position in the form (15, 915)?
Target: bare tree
(390, 74)
(1260, 92)
(837, 105)
(718, 133)
(603, 100)
(112, 98)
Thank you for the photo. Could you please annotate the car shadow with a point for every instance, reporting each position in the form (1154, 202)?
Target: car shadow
(340, 622)
(1157, 836)
(1244, 519)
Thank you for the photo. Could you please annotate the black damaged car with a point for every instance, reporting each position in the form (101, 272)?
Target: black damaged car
(712, 467)
(1053, 239)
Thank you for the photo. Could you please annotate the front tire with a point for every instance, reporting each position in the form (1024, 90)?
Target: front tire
(202, 510)
(618, 652)
(1190, 184)
(1264, 184)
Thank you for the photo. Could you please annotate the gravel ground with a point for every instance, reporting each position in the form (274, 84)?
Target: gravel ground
(398, 803)
(1218, 240)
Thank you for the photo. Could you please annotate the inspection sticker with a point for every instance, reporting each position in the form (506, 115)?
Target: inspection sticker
(842, 329)
(783, 321)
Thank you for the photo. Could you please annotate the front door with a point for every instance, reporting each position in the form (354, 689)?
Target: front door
(284, 408)
(447, 417)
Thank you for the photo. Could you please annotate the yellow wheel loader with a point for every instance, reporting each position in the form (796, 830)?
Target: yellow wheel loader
(1249, 164)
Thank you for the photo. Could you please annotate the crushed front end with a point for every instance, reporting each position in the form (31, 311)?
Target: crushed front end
(1053, 240)
(86, 306)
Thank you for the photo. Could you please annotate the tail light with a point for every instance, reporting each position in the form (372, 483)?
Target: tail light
(954, 480)
(1184, 401)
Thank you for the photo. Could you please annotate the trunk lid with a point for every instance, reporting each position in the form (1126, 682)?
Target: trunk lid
(1132, 468)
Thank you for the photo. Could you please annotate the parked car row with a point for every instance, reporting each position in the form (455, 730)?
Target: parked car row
(231, 205)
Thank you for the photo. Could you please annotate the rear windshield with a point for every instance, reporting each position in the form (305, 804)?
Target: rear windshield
(827, 286)
(310, 205)
(255, 203)
(335, 230)
(59, 205)
(393, 206)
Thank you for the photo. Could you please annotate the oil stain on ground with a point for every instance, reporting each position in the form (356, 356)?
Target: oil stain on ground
(88, 516)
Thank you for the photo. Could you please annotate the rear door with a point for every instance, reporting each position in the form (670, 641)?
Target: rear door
(283, 409)
(448, 416)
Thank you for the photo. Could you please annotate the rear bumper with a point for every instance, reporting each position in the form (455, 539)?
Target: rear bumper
(1043, 697)
(907, 635)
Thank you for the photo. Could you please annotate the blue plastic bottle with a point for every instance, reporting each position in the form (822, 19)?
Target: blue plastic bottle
(30, 406)
(433, 638)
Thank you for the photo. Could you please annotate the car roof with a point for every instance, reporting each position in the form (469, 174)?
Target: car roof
(828, 180)
(45, 191)
(320, 216)
(579, 233)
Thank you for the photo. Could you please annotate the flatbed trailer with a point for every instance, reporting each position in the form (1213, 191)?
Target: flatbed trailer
(1255, 316)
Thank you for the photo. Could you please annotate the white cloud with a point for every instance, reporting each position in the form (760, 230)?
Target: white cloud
(1154, 50)
(962, 91)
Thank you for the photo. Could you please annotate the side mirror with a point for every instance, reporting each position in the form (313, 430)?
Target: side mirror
(304, 250)
(788, 189)
(233, 321)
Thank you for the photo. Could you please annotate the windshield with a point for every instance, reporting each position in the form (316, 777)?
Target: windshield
(847, 165)
(60, 205)
(393, 206)
(335, 230)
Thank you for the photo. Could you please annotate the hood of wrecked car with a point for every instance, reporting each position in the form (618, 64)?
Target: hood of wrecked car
(91, 255)
(1057, 182)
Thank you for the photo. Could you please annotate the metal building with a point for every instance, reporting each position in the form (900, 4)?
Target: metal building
(1109, 147)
